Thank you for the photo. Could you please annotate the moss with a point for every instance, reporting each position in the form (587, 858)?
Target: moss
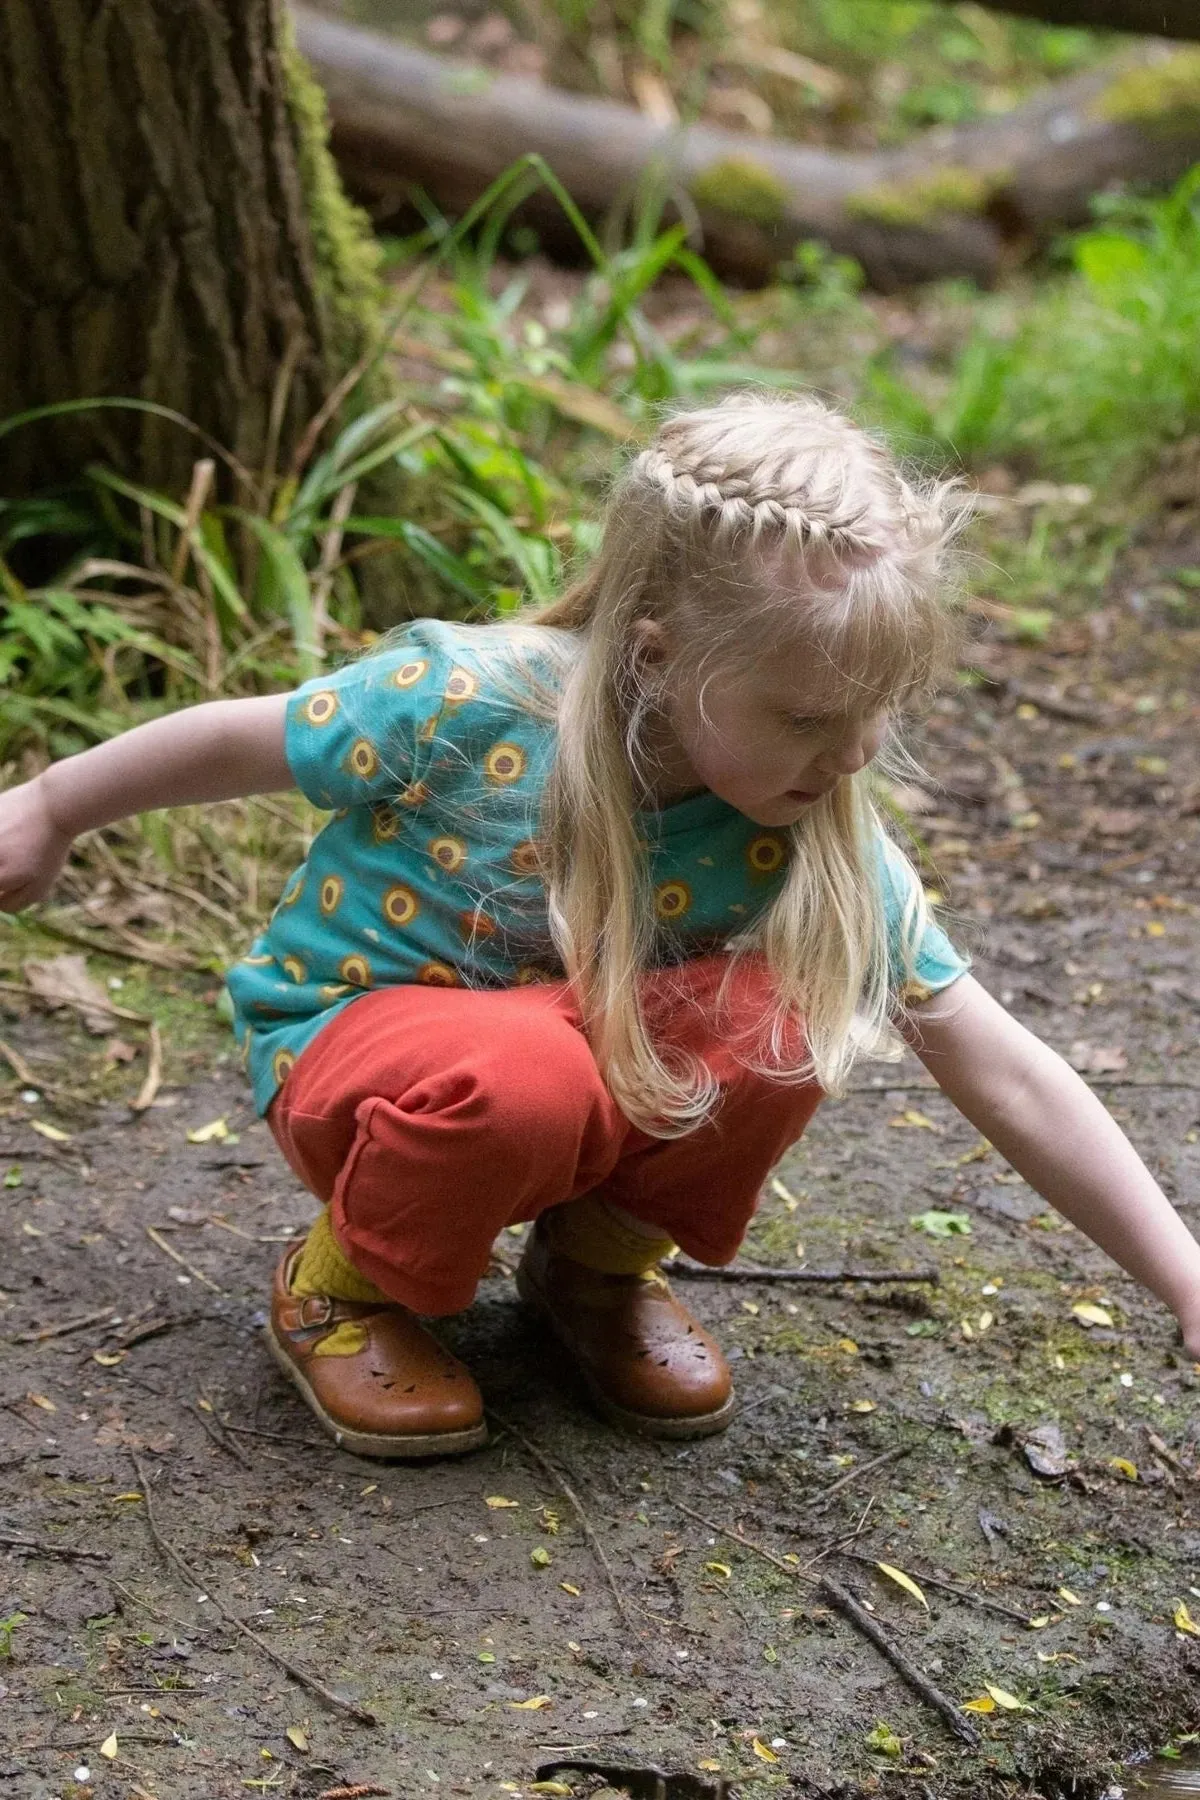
(346, 251)
(924, 198)
(743, 188)
(1166, 94)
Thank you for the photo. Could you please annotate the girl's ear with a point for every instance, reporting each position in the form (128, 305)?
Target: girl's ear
(651, 644)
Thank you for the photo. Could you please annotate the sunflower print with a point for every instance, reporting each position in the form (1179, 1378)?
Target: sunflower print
(319, 708)
(476, 926)
(526, 859)
(295, 968)
(766, 853)
(528, 973)
(333, 990)
(330, 896)
(400, 905)
(438, 974)
(282, 1064)
(363, 759)
(461, 686)
(385, 823)
(672, 899)
(291, 894)
(262, 961)
(356, 970)
(449, 853)
(505, 763)
(409, 673)
(415, 793)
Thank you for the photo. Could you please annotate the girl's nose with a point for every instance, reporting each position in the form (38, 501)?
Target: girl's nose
(851, 751)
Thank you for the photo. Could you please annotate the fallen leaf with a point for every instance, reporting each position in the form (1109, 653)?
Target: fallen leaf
(938, 1224)
(296, 1735)
(983, 1148)
(568, 1587)
(1040, 1623)
(109, 1746)
(862, 1406)
(64, 981)
(1046, 1451)
(912, 1120)
(984, 1704)
(1184, 1620)
(108, 1359)
(847, 1346)
(1071, 1599)
(904, 1581)
(1008, 1701)
(536, 1704)
(41, 1400)
(216, 1131)
(719, 1568)
(763, 1751)
(549, 1787)
(498, 1501)
(50, 1131)
(1097, 1059)
(1089, 1314)
(1123, 1467)
(540, 1558)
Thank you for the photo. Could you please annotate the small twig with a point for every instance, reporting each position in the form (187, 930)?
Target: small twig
(737, 1536)
(218, 1436)
(920, 1684)
(359, 1790)
(750, 1272)
(16, 1061)
(150, 1086)
(67, 1326)
(140, 951)
(821, 1500)
(280, 1437)
(37, 1548)
(156, 1237)
(170, 1555)
(947, 1587)
(555, 1475)
(1168, 1455)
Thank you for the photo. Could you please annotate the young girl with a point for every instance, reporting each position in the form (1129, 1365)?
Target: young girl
(603, 909)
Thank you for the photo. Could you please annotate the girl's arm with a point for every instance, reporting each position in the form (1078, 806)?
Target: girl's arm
(1025, 1100)
(220, 751)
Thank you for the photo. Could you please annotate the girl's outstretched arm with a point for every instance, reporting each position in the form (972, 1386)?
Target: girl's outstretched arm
(1054, 1131)
(219, 751)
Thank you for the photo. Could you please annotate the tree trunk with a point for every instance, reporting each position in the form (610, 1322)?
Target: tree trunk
(173, 230)
(1149, 18)
(960, 202)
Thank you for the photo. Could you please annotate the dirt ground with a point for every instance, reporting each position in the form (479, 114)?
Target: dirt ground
(567, 1592)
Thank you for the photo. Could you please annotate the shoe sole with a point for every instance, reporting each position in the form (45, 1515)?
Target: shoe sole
(679, 1427)
(399, 1448)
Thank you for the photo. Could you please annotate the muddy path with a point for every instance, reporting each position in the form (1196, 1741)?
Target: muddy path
(467, 1606)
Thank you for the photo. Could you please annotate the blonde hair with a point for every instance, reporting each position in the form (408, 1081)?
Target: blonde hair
(743, 525)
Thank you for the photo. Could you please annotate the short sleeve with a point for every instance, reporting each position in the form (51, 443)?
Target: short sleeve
(361, 735)
(931, 962)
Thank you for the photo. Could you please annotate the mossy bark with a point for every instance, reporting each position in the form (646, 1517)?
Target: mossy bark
(173, 231)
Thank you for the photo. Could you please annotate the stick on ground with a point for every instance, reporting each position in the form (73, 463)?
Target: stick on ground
(908, 1671)
(749, 1272)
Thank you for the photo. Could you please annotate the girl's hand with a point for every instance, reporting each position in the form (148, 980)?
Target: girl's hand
(33, 848)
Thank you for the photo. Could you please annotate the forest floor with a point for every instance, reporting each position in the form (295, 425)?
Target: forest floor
(878, 1423)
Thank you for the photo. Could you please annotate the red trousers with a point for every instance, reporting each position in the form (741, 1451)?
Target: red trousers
(430, 1118)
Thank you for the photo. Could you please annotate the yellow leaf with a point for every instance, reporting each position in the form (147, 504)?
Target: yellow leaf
(109, 1746)
(1184, 1620)
(1070, 1598)
(912, 1120)
(1123, 1467)
(847, 1346)
(710, 1763)
(984, 1704)
(763, 1751)
(1040, 1623)
(904, 1581)
(862, 1406)
(750, 1306)
(568, 1587)
(41, 1400)
(540, 1558)
(496, 1501)
(549, 1787)
(538, 1702)
(783, 1192)
(718, 1568)
(133, 1495)
(295, 1735)
(1008, 1701)
(982, 1149)
(986, 1321)
(108, 1359)
(1089, 1314)
(216, 1130)
(56, 1137)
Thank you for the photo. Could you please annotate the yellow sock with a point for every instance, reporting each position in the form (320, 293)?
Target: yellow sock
(324, 1267)
(591, 1232)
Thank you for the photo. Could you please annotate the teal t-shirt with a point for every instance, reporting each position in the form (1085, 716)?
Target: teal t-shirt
(432, 757)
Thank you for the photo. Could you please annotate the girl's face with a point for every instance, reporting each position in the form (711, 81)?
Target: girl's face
(769, 741)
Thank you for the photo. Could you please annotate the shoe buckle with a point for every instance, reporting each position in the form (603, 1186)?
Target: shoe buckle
(323, 1315)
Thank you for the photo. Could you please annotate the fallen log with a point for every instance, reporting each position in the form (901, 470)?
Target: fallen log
(967, 201)
(1148, 18)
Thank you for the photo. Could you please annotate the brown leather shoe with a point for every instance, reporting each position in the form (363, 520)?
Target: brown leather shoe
(649, 1367)
(398, 1394)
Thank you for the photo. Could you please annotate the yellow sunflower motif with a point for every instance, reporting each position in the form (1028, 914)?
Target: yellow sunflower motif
(526, 859)
(504, 763)
(409, 673)
(262, 961)
(332, 889)
(449, 853)
(295, 968)
(318, 709)
(672, 899)
(766, 853)
(414, 794)
(356, 970)
(282, 1064)
(247, 1046)
(363, 759)
(400, 905)
(438, 974)
(291, 894)
(385, 823)
(527, 974)
(461, 685)
(428, 730)
(475, 926)
(333, 990)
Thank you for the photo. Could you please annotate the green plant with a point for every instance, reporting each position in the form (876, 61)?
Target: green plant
(7, 1628)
